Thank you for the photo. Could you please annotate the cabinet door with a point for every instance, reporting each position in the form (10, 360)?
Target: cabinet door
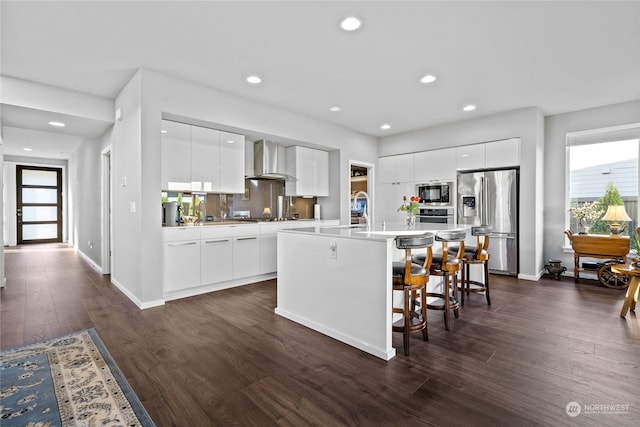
(503, 153)
(424, 166)
(300, 161)
(246, 252)
(216, 256)
(387, 169)
(320, 173)
(405, 167)
(205, 159)
(268, 253)
(470, 157)
(231, 163)
(444, 164)
(181, 265)
(175, 168)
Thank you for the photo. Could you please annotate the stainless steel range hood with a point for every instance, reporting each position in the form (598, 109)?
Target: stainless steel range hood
(268, 160)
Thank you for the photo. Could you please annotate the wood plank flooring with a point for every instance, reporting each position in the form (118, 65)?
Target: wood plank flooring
(225, 358)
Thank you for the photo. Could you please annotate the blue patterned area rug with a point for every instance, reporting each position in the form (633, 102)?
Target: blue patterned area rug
(66, 381)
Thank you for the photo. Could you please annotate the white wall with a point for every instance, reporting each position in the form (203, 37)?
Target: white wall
(84, 184)
(556, 129)
(2, 279)
(135, 155)
(525, 123)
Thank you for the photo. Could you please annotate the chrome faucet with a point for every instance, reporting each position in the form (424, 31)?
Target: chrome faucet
(365, 214)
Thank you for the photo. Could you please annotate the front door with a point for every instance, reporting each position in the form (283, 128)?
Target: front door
(39, 204)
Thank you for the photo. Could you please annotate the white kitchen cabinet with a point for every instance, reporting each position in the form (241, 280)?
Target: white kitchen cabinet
(503, 153)
(175, 156)
(470, 157)
(216, 257)
(231, 163)
(268, 253)
(390, 199)
(195, 158)
(246, 254)
(181, 264)
(435, 165)
(310, 167)
(393, 169)
(205, 159)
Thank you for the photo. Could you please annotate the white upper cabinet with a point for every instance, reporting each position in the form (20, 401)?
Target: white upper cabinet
(231, 163)
(470, 157)
(489, 155)
(205, 159)
(310, 167)
(503, 153)
(435, 165)
(176, 156)
(395, 169)
(195, 158)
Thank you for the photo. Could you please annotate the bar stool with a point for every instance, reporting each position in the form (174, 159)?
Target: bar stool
(477, 256)
(411, 278)
(446, 265)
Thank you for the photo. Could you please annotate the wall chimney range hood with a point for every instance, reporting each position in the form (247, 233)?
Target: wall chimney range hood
(268, 160)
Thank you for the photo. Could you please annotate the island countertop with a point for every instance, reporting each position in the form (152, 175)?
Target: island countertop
(381, 233)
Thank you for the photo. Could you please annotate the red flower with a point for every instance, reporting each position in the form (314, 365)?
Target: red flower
(404, 198)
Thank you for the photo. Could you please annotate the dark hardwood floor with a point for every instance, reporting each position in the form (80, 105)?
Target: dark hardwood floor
(225, 358)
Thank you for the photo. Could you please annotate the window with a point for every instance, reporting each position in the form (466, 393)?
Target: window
(601, 163)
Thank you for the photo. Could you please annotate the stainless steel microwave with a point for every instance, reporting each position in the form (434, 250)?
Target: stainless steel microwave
(436, 193)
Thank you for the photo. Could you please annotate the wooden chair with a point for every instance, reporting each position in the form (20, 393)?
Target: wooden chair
(447, 266)
(477, 256)
(411, 279)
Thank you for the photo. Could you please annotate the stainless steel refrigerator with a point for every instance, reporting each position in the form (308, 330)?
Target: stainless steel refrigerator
(490, 197)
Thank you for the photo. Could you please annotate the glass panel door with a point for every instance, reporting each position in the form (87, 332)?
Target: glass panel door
(39, 204)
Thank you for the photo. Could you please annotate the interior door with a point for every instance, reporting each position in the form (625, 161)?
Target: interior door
(39, 204)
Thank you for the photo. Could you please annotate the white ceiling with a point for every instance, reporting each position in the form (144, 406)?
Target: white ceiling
(559, 56)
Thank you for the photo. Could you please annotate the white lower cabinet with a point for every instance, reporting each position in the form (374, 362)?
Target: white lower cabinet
(268, 253)
(216, 256)
(246, 255)
(181, 264)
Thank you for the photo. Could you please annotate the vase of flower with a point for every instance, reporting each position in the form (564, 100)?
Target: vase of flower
(411, 206)
(585, 213)
(411, 220)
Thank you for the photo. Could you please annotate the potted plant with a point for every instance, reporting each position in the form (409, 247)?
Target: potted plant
(585, 213)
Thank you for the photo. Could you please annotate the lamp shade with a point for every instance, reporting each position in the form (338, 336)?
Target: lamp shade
(616, 213)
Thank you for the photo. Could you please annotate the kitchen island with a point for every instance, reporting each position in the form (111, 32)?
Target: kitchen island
(337, 281)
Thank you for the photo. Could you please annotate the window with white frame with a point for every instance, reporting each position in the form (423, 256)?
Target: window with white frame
(602, 166)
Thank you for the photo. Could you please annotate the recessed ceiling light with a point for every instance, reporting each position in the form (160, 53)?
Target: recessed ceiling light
(469, 107)
(351, 23)
(254, 80)
(57, 124)
(27, 149)
(231, 141)
(163, 131)
(429, 78)
(335, 109)
(385, 126)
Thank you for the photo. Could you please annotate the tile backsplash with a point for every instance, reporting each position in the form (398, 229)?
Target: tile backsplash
(259, 194)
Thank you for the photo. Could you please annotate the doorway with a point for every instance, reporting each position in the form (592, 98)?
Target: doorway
(38, 204)
(360, 180)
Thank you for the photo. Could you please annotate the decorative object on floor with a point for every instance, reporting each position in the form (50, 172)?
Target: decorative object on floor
(555, 268)
(615, 214)
(66, 381)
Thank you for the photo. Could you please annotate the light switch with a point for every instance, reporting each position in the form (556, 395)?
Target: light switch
(132, 207)
(333, 250)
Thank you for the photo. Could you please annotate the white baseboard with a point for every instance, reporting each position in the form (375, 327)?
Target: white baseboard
(199, 290)
(89, 261)
(141, 305)
(533, 278)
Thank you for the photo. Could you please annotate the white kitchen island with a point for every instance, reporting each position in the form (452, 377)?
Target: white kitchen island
(337, 281)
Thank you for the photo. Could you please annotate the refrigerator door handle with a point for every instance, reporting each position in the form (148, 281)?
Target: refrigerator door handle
(502, 236)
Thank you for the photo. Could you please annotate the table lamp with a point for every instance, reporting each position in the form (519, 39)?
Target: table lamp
(615, 214)
(266, 212)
